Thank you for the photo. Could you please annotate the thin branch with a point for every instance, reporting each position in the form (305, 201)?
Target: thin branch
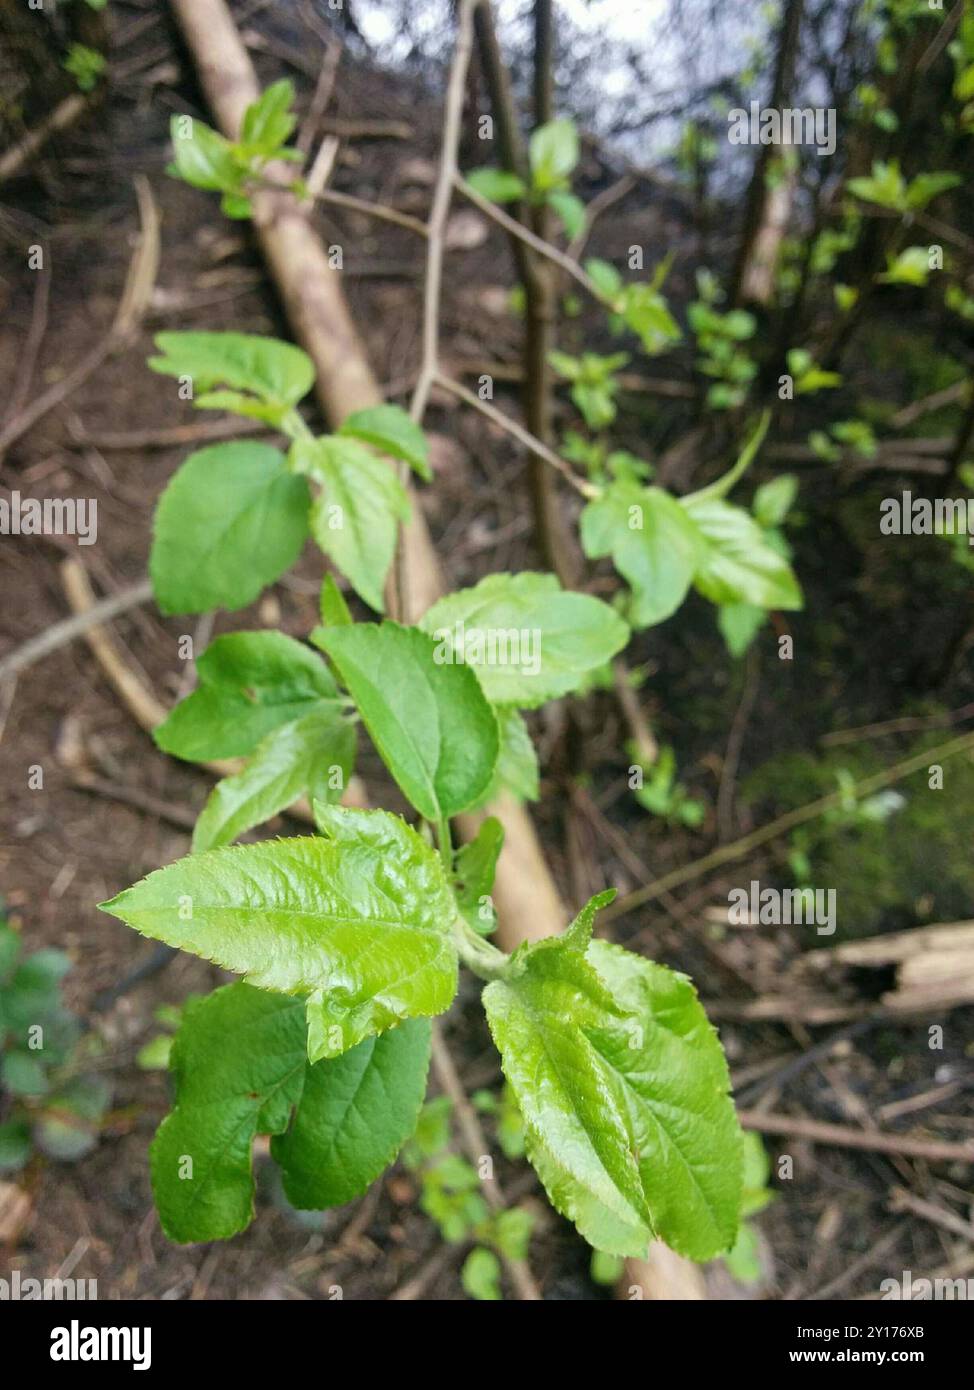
(518, 432)
(453, 111)
(515, 229)
(594, 210)
(322, 95)
(13, 160)
(844, 1137)
(377, 210)
(475, 1144)
(60, 634)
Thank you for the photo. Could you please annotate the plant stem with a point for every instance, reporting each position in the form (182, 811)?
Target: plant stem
(445, 842)
(480, 956)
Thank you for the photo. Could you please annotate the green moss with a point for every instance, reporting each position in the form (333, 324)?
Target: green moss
(912, 868)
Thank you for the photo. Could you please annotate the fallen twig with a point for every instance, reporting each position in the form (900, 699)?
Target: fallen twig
(64, 114)
(59, 634)
(845, 1137)
(136, 293)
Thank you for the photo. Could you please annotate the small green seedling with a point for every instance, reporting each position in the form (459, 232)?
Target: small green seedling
(552, 157)
(657, 791)
(86, 65)
(236, 168)
(593, 384)
(47, 1102)
(451, 1193)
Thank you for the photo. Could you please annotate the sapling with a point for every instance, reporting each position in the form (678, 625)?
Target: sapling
(349, 941)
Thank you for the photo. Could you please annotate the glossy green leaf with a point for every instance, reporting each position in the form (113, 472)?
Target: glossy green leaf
(356, 517)
(355, 1114)
(230, 522)
(474, 870)
(497, 185)
(312, 755)
(277, 373)
(570, 209)
(202, 157)
(358, 921)
(605, 277)
(239, 1064)
(553, 153)
(624, 1091)
(249, 684)
(331, 604)
(528, 639)
(481, 1275)
(738, 565)
(739, 624)
(653, 543)
(268, 122)
(774, 499)
(391, 429)
(431, 722)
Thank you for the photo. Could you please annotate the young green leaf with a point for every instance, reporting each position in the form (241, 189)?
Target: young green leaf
(473, 870)
(601, 1214)
(773, 500)
(278, 374)
(314, 754)
(481, 1275)
(238, 1063)
(359, 923)
(356, 517)
(654, 545)
(355, 1114)
(202, 157)
(606, 279)
(267, 122)
(528, 640)
(553, 153)
(738, 565)
(430, 721)
(331, 604)
(392, 430)
(231, 520)
(578, 933)
(624, 1090)
(570, 209)
(739, 624)
(249, 684)
(497, 185)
